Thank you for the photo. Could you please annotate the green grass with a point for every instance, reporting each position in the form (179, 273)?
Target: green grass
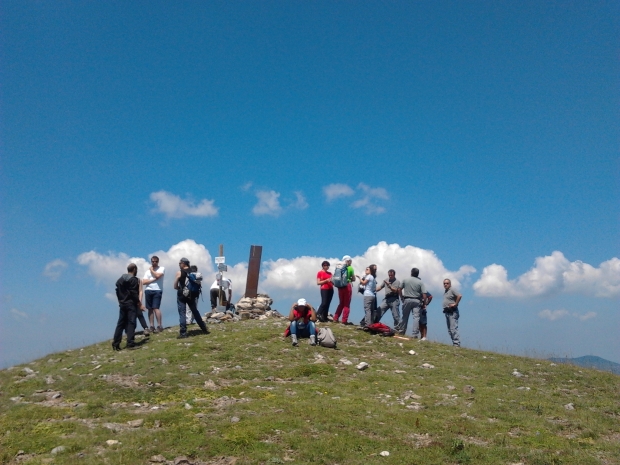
(267, 402)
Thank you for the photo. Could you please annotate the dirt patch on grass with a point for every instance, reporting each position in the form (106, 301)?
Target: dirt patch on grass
(124, 381)
(419, 440)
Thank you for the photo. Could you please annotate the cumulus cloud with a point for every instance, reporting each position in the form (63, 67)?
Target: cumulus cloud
(268, 203)
(553, 315)
(368, 198)
(174, 207)
(299, 274)
(19, 315)
(107, 268)
(552, 274)
(283, 279)
(300, 201)
(110, 266)
(585, 316)
(333, 191)
(53, 270)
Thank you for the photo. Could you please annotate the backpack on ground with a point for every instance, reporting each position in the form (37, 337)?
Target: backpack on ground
(380, 329)
(340, 277)
(326, 338)
(193, 285)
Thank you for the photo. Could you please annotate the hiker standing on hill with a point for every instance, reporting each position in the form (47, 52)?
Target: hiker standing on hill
(345, 293)
(324, 279)
(184, 299)
(391, 300)
(129, 301)
(154, 281)
(370, 294)
(303, 318)
(451, 300)
(413, 295)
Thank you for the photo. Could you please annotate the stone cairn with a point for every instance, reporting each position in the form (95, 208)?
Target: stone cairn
(248, 308)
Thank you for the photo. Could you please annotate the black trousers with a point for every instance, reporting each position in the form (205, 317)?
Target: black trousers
(214, 294)
(126, 322)
(326, 299)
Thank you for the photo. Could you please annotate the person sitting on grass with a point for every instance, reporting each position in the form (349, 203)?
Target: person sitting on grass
(303, 318)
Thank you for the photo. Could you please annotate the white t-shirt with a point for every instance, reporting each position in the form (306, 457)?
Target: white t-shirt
(158, 284)
(226, 284)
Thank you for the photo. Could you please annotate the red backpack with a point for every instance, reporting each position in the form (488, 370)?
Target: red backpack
(380, 329)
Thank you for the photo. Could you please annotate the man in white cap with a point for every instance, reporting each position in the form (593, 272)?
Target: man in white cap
(302, 317)
(345, 293)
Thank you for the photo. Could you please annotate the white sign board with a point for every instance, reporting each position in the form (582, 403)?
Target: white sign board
(220, 260)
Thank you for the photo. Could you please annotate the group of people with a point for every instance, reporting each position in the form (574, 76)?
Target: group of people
(410, 293)
(132, 291)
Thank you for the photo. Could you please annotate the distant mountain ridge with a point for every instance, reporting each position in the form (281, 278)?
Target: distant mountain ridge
(591, 361)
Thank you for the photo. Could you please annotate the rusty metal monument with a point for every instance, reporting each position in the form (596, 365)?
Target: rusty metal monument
(251, 285)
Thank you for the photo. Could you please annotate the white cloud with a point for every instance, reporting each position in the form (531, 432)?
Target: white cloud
(552, 315)
(283, 279)
(300, 202)
(174, 207)
(333, 191)
(107, 268)
(299, 274)
(246, 187)
(368, 198)
(268, 203)
(54, 269)
(585, 316)
(551, 275)
(19, 315)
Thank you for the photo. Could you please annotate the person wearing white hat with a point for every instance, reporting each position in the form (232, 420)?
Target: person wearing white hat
(345, 293)
(303, 318)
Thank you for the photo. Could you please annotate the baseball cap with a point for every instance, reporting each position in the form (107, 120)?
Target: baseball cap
(301, 302)
(346, 257)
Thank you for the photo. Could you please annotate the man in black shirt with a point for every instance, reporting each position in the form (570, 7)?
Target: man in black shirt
(129, 301)
(180, 284)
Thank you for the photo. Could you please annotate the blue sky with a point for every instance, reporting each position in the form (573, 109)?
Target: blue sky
(477, 140)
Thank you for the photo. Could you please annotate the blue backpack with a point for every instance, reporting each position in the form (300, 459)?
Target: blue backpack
(193, 284)
(340, 278)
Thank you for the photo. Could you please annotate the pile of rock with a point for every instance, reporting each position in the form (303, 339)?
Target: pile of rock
(246, 309)
(256, 308)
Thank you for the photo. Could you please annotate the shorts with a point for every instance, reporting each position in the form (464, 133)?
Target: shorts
(152, 299)
(423, 319)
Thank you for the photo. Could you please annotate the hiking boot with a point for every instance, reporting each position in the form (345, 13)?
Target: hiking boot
(312, 340)
(423, 339)
(294, 339)
(205, 330)
(182, 336)
(348, 323)
(160, 329)
(152, 329)
(146, 332)
(116, 346)
(131, 345)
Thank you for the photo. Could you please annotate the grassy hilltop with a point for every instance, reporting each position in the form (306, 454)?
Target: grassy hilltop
(242, 395)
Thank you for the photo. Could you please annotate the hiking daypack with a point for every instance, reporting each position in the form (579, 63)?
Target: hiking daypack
(340, 278)
(193, 285)
(326, 338)
(380, 329)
